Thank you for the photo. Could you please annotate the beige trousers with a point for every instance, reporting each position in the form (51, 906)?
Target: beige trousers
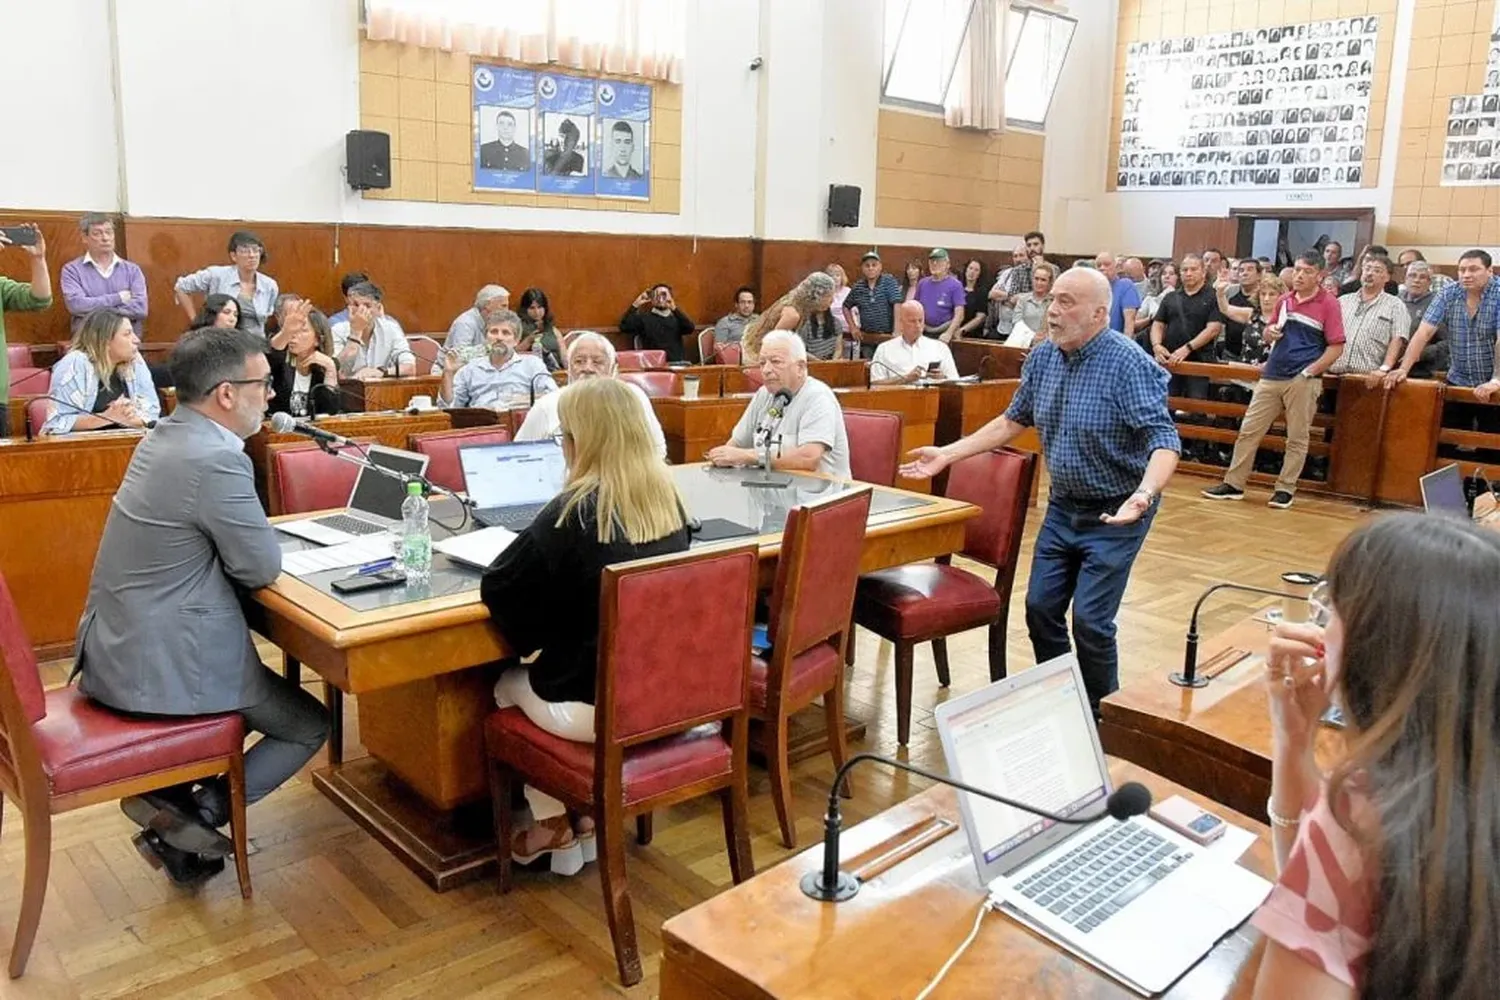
(1297, 398)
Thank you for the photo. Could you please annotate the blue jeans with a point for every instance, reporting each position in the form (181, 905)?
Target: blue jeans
(1082, 561)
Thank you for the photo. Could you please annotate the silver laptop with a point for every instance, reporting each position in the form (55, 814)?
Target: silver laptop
(509, 484)
(1132, 898)
(1443, 492)
(374, 503)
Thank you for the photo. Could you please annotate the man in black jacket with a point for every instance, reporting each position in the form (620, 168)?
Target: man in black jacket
(656, 323)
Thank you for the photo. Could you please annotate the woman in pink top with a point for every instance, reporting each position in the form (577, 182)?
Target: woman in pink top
(1390, 864)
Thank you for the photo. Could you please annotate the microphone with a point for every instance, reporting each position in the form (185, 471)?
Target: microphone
(108, 424)
(870, 371)
(833, 886)
(531, 384)
(1189, 677)
(285, 423)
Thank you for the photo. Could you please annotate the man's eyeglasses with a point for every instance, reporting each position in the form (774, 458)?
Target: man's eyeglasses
(264, 383)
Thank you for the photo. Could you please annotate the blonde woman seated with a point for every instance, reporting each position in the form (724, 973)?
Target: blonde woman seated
(619, 503)
(1030, 310)
(806, 311)
(102, 381)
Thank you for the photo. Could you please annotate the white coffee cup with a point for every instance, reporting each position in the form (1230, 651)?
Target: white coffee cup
(420, 403)
(689, 387)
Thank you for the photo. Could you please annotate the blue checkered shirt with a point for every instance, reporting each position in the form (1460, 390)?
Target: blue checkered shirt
(1100, 411)
(1471, 344)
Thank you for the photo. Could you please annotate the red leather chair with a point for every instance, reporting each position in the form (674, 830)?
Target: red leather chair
(728, 354)
(19, 356)
(443, 467)
(427, 350)
(754, 377)
(874, 445)
(635, 361)
(60, 751)
(30, 381)
(305, 478)
(810, 604)
(36, 415)
(654, 384)
(670, 722)
(927, 602)
(706, 345)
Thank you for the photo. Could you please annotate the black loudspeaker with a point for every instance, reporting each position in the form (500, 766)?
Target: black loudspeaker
(843, 205)
(368, 158)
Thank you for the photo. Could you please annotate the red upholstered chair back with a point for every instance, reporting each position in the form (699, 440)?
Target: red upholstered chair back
(19, 356)
(999, 484)
(36, 415)
(754, 377)
(816, 572)
(20, 675)
(706, 345)
(634, 361)
(306, 479)
(426, 351)
(727, 354)
(654, 384)
(30, 381)
(874, 445)
(443, 468)
(674, 642)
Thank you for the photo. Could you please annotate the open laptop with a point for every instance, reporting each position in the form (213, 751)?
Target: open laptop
(1443, 492)
(509, 484)
(1133, 898)
(374, 502)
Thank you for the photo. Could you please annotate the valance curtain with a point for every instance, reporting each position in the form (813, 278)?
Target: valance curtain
(643, 38)
(976, 98)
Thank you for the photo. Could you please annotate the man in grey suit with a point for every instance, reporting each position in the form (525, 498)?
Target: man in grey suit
(164, 632)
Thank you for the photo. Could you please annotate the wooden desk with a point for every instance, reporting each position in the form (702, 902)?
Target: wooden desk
(989, 359)
(965, 407)
(834, 374)
(424, 673)
(389, 429)
(1216, 739)
(55, 495)
(376, 394)
(763, 938)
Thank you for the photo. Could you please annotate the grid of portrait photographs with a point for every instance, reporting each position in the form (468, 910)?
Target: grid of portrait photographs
(1471, 153)
(1268, 107)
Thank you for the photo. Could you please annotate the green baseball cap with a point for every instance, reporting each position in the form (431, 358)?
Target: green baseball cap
(869, 255)
(938, 253)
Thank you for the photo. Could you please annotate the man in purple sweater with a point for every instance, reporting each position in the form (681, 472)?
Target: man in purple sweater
(100, 279)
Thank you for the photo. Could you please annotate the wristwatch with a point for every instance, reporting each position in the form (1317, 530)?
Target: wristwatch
(1308, 374)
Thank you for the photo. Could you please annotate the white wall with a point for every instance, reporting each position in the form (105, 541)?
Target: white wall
(59, 149)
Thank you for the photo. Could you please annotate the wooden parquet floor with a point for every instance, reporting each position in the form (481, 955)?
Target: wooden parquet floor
(335, 915)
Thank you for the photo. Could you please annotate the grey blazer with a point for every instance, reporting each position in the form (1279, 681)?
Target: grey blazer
(163, 631)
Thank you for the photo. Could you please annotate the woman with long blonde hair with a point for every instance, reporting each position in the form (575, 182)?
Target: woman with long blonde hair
(805, 310)
(618, 503)
(102, 381)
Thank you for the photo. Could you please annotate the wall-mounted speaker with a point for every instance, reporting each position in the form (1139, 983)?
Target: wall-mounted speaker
(367, 156)
(843, 205)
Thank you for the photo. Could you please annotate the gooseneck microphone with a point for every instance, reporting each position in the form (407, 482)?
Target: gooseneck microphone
(870, 372)
(829, 885)
(1189, 677)
(531, 383)
(108, 424)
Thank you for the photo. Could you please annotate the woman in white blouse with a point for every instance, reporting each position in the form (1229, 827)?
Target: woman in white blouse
(102, 381)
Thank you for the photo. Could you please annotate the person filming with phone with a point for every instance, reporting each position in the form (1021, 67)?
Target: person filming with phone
(19, 296)
(656, 323)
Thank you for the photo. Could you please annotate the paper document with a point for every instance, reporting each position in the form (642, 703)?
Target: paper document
(362, 550)
(477, 548)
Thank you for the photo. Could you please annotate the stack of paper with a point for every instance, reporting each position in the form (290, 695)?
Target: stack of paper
(367, 549)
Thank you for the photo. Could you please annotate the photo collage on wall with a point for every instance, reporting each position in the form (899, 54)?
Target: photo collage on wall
(553, 133)
(1471, 153)
(1286, 106)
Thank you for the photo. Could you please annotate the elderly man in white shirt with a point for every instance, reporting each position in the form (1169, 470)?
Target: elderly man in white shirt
(909, 356)
(370, 342)
(589, 356)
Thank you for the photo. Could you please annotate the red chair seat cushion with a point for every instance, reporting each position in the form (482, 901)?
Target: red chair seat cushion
(85, 745)
(812, 673)
(566, 767)
(923, 599)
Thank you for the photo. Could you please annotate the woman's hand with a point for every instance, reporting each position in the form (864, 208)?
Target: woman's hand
(1297, 684)
(317, 359)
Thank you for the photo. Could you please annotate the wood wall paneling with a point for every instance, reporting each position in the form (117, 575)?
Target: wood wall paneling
(60, 230)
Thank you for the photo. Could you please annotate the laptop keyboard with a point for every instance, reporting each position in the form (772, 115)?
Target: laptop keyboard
(1094, 881)
(350, 525)
(514, 518)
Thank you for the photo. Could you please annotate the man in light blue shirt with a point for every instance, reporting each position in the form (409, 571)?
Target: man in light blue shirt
(1125, 298)
(466, 333)
(497, 378)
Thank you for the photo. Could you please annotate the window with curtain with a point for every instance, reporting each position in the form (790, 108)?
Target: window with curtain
(979, 62)
(645, 38)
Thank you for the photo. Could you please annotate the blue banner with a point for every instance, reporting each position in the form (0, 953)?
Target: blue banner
(566, 106)
(623, 153)
(505, 145)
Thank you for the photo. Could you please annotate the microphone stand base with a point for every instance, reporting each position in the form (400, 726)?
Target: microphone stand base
(844, 888)
(1183, 682)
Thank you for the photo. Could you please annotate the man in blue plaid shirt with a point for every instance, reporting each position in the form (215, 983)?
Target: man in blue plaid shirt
(1099, 404)
(1469, 309)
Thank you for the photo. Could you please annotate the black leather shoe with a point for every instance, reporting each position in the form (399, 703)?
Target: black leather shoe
(184, 868)
(177, 823)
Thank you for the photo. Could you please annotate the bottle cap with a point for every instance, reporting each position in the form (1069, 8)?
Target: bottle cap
(414, 489)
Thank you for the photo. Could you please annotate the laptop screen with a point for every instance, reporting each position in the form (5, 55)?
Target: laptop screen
(1443, 492)
(383, 495)
(1032, 742)
(510, 475)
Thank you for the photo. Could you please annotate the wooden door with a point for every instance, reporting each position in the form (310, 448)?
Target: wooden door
(1196, 233)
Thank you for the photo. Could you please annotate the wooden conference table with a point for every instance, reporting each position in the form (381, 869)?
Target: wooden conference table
(1215, 739)
(424, 667)
(763, 938)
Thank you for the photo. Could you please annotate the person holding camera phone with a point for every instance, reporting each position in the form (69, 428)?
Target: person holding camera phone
(656, 323)
(21, 296)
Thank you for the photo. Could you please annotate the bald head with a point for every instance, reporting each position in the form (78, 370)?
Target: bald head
(909, 320)
(1080, 308)
(1105, 262)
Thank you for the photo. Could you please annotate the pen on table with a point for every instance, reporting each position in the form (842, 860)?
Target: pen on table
(374, 567)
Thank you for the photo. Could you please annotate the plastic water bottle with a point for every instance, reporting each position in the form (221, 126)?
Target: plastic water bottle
(416, 537)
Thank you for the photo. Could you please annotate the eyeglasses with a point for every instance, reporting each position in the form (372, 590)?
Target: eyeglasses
(264, 383)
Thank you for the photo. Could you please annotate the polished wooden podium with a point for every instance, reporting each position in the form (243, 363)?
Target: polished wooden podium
(764, 938)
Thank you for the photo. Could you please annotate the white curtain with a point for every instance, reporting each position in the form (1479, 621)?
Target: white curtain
(976, 98)
(628, 37)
